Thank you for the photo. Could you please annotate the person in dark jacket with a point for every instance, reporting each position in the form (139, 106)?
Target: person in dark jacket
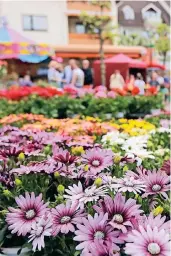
(88, 76)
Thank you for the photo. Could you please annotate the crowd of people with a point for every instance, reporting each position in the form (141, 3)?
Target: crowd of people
(78, 76)
(161, 82)
(71, 74)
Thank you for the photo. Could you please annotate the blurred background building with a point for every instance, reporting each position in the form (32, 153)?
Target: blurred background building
(57, 23)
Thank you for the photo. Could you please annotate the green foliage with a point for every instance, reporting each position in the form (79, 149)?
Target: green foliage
(63, 107)
(163, 42)
(139, 106)
(133, 40)
(100, 25)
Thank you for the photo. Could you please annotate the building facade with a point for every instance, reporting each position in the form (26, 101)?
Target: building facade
(139, 16)
(42, 21)
(57, 23)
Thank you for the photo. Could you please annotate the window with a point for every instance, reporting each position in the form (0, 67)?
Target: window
(151, 12)
(128, 12)
(36, 23)
(80, 28)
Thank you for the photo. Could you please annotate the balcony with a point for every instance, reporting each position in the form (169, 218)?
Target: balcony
(74, 8)
(75, 38)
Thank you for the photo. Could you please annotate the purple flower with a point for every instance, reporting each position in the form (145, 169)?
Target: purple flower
(5, 177)
(129, 184)
(157, 182)
(166, 167)
(95, 230)
(120, 211)
(11, 151)
(97, 159)
(39, 230)
(66, 159)
(65, 216)
(30, 209)
(148, 242)
(46, 166)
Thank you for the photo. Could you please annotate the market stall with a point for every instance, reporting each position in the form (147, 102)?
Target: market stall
(119, 62)
(17, 49)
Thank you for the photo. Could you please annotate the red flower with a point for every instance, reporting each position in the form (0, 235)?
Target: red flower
(135, 91)
(152, 90)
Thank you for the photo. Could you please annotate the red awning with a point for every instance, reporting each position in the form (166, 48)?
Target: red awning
(156, 65)
(121, 58)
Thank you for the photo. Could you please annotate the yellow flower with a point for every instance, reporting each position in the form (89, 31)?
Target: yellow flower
(123, 120)
(77, 150)
(158, 210)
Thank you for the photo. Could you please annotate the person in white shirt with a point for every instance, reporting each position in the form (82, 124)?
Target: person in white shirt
(139, 82)
(77, 74)
(116, 80)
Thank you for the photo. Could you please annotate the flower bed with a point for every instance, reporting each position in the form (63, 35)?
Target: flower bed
(67, 106)
(17, 93)
(84, 187)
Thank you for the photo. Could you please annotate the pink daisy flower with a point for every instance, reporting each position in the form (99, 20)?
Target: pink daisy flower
(39, 230)
(64, 217)
(120, 211)
(156, 182)
(30, 209)
(95, 230)
(153, 221)
(98, 249)
(157, 221)
(166, 167)
(97, 159)
(149, 242)
(129, 184)
(90, 194)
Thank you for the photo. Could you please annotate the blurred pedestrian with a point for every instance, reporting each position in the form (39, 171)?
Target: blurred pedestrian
(117, 80)
(153, 81)
(68, 72)
(52, 72)
(60, 75)
(131, 80)
(88, 76)
(139, 82)
(25, 81)
(77, 75)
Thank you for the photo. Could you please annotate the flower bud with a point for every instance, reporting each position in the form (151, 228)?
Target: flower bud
(136, 196)
(21, 156)
(125, 169)
(77, 150)
(56, 175)
(18, 182)
(98, 182)
(60, 189)
(47, 149)
(158, 210)
(7, 193)
(3, 212)
(86, 167)
(117, 159)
